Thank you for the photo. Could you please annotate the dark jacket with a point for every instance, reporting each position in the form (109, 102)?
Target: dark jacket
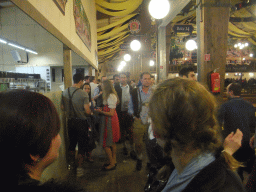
(135, 102)
(216, 177)
(237, 113)
(119, 94)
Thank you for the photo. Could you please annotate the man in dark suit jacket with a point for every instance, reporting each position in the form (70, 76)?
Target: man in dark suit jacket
(238, 114)
(125, 120)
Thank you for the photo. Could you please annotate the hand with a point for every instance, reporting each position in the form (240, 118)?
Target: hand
(252, 142)
(233, 142)
(136, 118)
(97, 110)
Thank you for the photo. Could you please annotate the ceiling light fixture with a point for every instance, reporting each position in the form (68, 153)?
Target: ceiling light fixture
(3, 41)
(135, 45)
(17, 46)
(158, 9)
(30, 51)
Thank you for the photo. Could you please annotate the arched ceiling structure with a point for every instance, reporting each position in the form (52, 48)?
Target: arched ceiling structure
(115, 15)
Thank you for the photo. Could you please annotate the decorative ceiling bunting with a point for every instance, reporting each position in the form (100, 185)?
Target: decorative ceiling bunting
(109, 50)
(112, 52)
(119, 6)
(251, 41)
(232, 27)
(111, 39)
(100, 33)
(117, 13)
(250, 26)
(116, 23)
(113, 32)
(112, 43)
(237, 35)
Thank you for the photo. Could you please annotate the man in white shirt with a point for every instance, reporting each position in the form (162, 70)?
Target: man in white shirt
(125, 120)
(93, 85)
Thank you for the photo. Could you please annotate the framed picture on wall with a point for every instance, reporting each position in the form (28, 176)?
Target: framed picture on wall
(82, 24)
(61, 4)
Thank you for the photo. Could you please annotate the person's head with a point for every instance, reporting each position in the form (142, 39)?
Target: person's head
(123, 78)
(183, 113)
(87, 79)
(92, 79)
(29, 133)
(145, 79)
(98, 81)
(116, 78)
(234, 90)
(107, 89)
(187, 72)
(86, 87)
(78, 78)
(103, 78)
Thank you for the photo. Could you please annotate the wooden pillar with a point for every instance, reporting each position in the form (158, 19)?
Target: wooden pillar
(67, 59)
(146, 56)
(90, 71)
(103, 69)
(212, 36)
(162, 54)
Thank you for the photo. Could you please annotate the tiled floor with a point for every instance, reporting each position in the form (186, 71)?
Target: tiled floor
(124, 179)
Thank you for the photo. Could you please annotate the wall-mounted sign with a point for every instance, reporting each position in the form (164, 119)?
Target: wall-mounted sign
(82, 24)
(207, 57)
(134, 26)
(183, 28)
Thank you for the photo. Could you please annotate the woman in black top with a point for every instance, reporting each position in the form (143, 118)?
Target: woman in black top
(29, 141)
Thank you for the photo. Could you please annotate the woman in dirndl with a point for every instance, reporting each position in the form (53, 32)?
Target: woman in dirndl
(109, 125)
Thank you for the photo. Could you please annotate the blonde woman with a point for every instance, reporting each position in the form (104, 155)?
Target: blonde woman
(109, 127)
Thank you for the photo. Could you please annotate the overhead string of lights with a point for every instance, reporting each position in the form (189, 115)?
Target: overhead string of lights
(16, 45)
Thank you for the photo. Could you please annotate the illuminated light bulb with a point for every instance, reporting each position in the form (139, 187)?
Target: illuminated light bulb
(127, 57)
(191, 45)
(151, 63)
(158, 9)
(123, 63)
(135, 45)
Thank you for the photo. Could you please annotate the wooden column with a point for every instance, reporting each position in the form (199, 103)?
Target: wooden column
(161, 73)
(90, 71)
(146, 43)
(67, 59)
(103, 69)
(212, 36)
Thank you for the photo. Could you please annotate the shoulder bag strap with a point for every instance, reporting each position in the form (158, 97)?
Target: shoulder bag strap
(70, 101)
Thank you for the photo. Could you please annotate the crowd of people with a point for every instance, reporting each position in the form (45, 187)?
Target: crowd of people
(192, 144)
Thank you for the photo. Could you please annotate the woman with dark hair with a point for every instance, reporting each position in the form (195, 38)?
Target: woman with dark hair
(184, 120)
(29, 140)
(91, 121)
(109, 131)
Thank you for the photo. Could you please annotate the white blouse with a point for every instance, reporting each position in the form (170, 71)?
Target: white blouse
(111, 101)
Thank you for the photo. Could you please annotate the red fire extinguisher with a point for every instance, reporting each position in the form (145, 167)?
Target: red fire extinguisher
(215, 82)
